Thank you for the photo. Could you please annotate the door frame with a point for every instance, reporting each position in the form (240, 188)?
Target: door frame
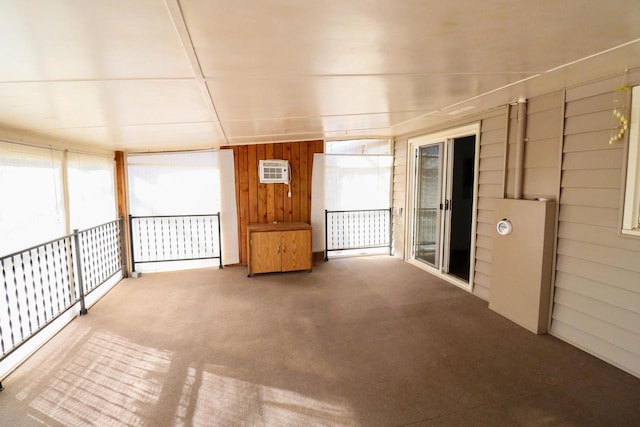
(412, 145)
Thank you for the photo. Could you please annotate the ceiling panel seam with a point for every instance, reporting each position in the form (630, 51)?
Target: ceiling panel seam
(180, 25)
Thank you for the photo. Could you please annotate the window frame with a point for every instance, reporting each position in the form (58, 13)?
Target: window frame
(631, 210)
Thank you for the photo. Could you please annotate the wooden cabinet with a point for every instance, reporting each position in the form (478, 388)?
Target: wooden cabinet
(283, 246)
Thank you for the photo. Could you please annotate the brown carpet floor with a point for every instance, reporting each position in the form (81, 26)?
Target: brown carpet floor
(362, 341)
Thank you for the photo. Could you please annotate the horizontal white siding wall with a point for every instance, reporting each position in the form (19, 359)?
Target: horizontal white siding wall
(493, 138)
(597, 288)
(399, 195)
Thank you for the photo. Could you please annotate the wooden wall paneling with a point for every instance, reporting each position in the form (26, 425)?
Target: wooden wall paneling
(279, 189)
(288, 201)
(236, 169)
(121, 184)
(262, 188)
(266, 203)
(252, 161)
(305, 215)
(244, 200)
(295, 182)
(121, 200)
(313, 147)
(271, 188)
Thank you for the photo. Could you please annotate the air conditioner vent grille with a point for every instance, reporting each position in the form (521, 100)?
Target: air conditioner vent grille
(273, 171)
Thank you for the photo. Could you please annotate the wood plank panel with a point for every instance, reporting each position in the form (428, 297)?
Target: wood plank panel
(252, 152)
(266, 203)
(280, 189)
(121, 184)
(121, 199)
(262, 188)
(243, 182)
(295, 182)
(305, 201)
(288, 201)
(270, 189)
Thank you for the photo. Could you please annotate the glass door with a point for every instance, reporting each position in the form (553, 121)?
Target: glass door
(428, 196)
(443, 203)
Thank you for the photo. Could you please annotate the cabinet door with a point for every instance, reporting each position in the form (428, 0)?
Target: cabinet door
(296, 250)
(265, 252)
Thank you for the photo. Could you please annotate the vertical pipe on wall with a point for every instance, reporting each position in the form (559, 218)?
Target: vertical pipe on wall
(505, 164)
(520, 146)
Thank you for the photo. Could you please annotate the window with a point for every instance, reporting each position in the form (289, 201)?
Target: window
(358, 174)
(357, 182)
(187, 183)
(180, 183)
(359, 146)
(92, 199)
(35, 191)
(357, 179)
(631, 218)
(31, 188)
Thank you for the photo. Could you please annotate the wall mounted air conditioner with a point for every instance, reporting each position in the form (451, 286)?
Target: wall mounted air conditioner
(274, 171)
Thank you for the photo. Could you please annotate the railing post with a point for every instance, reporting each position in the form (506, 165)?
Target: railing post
(219, 242)
(123, 248)
(326, 231)
(391, 231)
(76, 242)
(133, 259)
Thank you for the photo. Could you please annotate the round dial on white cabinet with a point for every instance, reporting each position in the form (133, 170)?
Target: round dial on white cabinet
(504, 227)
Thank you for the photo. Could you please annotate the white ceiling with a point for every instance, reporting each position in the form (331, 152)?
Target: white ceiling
(168, 74)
